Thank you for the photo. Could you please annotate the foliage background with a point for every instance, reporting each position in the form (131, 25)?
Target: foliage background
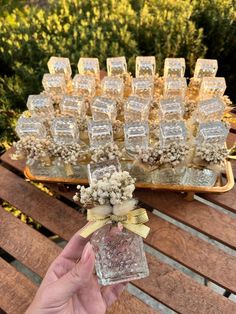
(32, 31)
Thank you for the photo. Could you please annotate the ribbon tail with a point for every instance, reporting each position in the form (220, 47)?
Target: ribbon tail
(91, 227)
(139, 229)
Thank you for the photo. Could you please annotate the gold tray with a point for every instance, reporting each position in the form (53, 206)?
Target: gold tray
(219, 187)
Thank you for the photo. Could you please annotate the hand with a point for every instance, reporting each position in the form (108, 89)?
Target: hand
(70, 287)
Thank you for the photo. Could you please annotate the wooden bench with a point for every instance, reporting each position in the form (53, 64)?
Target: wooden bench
(180, 230)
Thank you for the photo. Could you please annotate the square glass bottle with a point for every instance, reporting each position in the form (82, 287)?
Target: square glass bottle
(136, 136)
(89, 66)
(100, 133)
(145, 66)
(40, 105)
(97, 171)
(210, 110)
(212, 132)
(113, 87)
(32, 126)
(136, 109)
(172, 132)
(171, 109)
(84, 85)
(212, 87)
(120, 255)
(54, 84)
(64, 130)
(175, 87)
(103, 108)
(143, 87)
(174, 67)
(58, 65)
(116, 66)
(73, 106)
(205, 68)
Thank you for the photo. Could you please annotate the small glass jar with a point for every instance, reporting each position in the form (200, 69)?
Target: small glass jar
(120, 255)
(205, 68)
(174, 67)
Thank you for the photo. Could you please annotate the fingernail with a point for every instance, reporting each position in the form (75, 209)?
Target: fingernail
(86, 253)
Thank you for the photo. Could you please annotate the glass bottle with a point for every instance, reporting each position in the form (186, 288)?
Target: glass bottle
(96, 171)
(112, 87)
(175, 86)
(100, 133)
(212, 132)
(136, 136)
(30, 126)
(59, 65)
(89, 66)
(120, 255)
(54, 84)
(143, 87)
(73, 106)
(136, 109)
(145, 66)
(40, 105)
(174, 67)
(212, 87)
(34, 128)
(210, 110)
(200, 177)
(205, 68)
(84, 85)
(171, 132)
(103, 108)
(116, 66)
(171, 109)
(64, 132)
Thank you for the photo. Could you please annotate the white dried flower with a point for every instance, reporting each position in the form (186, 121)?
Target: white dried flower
(34, 149)
(111, 190)
(212, 153)
(108, 152)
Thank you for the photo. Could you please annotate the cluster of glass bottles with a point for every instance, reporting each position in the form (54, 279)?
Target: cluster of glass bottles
(119, 253)
(86, 98)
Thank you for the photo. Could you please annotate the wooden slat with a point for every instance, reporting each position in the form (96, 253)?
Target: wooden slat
(231, 139)
(25, 244)
(37, 252)
(53, 214)
(176, 243)
(127, 303)
(180, 301)
(171, 287)
(16, 291)
(194, 214)
(16, 164)
(226, 200)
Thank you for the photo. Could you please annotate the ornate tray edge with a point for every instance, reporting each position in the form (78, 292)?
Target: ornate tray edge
(182, 188)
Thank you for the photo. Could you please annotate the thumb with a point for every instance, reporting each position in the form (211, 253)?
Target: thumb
(78, 277)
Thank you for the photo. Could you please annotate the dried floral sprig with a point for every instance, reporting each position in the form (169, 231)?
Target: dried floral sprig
(113, 189)
(151, 156)
(33, 148)
(108, 152)
(212, 153)
(69, 154)
(172, 154)
(118, 128)
(227, 101)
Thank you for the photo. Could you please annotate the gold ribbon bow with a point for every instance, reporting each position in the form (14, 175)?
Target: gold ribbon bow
(133, 221)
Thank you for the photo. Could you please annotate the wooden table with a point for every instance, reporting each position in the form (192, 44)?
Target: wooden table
(167, 284)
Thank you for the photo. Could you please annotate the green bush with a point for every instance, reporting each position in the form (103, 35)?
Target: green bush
(29, 35)
(218, 20)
